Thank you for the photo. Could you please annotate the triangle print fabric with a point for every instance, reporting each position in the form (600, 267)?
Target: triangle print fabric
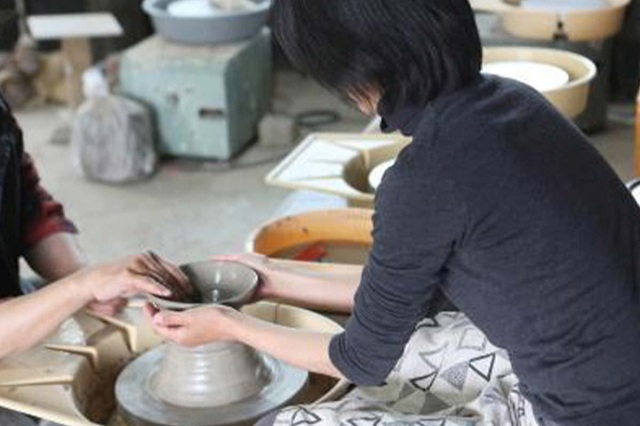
(449, 375)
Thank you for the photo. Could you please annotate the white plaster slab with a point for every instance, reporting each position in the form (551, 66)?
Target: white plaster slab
(76, 25)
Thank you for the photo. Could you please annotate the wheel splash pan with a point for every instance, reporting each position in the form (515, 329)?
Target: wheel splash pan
(570, 99)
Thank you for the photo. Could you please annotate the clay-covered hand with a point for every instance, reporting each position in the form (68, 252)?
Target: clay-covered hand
(121, 279)
(192, 328)
(261, 265)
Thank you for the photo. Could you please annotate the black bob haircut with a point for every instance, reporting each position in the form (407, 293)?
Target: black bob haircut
(407, 51)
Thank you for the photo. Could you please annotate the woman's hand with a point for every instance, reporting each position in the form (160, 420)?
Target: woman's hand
(303, 349)
(259, 263)
(331, 290)
(29, 319)
(194, 327)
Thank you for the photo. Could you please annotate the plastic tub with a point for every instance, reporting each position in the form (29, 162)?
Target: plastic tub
(344, 233)
(231, 26)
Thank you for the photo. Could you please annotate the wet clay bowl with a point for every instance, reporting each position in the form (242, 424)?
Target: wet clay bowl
(218, 283)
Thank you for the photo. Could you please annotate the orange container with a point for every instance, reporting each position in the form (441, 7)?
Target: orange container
(339, 226)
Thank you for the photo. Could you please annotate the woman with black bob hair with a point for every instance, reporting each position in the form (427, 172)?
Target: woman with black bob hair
(499, 203)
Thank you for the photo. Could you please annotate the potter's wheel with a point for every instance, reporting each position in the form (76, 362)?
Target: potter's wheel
(224, 383)
(140, 405)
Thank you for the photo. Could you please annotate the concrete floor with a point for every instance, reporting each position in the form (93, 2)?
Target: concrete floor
(190, 211)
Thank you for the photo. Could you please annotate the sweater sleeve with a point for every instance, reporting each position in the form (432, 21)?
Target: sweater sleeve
(43, 216)
(417, 223)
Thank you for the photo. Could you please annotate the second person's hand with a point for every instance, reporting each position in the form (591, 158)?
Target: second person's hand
(119, 280)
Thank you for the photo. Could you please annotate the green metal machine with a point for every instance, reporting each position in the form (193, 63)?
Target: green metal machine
(208, 100)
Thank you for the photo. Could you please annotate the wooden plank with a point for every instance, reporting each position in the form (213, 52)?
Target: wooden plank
(76, 25)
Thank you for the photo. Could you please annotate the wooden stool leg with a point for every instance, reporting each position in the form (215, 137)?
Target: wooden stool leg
(77, 52)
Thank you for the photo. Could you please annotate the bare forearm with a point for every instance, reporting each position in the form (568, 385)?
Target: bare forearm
(56, 257)
(323, 289)
(29, 319)
(302, 349)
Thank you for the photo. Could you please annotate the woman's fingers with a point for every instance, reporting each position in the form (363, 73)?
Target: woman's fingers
(140, 284)
(173, 334)
(171, 319)
(108, 308)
